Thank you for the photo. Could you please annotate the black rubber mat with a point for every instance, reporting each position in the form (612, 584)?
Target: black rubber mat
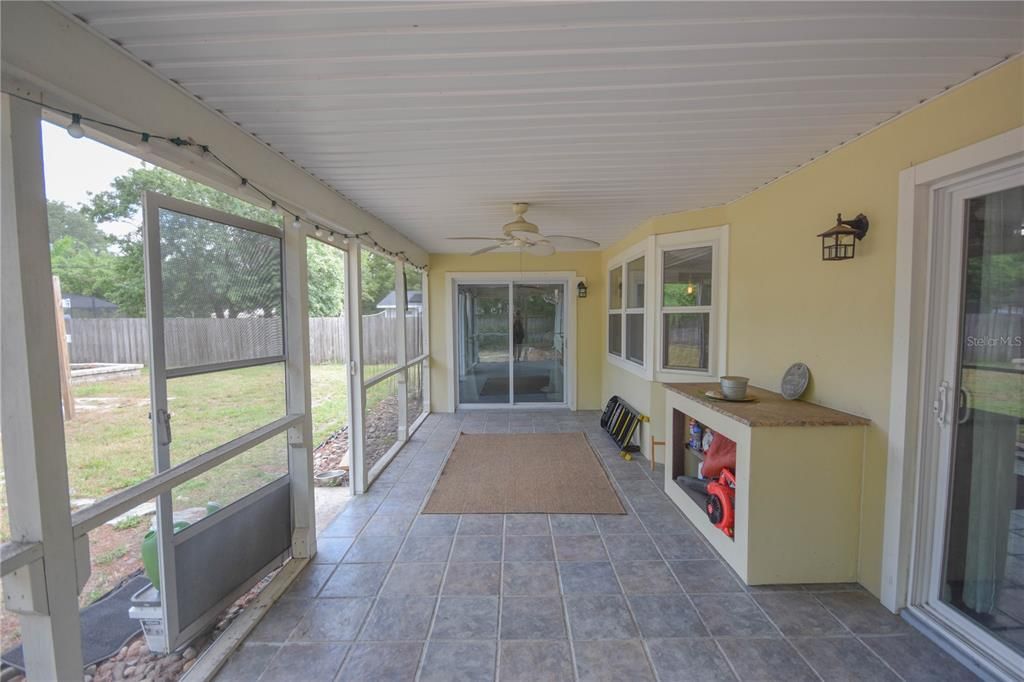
(105, 625)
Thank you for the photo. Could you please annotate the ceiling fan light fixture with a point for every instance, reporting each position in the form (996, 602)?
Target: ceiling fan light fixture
(524, 235)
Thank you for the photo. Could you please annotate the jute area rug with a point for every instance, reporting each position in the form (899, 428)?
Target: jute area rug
(509, 473)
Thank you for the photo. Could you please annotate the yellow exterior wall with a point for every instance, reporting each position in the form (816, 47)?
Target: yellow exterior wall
(786, 305)
(589, 315)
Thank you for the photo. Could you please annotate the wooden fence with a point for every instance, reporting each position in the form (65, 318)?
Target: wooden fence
(202, 341)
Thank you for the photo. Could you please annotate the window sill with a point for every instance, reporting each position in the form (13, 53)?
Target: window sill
(678, 376)
(631, 367)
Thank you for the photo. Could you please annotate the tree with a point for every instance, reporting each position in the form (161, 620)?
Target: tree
(377, 280)
(209, 270)
(82, 270)
(326, 267)
(76, 224)
(123, 201)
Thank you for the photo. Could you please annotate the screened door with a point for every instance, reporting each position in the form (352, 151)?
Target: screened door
(215, 290)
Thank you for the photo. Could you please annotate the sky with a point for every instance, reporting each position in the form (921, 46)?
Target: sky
(74, 168)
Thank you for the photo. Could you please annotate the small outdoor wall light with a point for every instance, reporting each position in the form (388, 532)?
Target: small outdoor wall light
(581, 289)
(840, 242)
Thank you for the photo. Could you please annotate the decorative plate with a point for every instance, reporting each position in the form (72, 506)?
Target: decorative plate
(717, 395)
(794, 381)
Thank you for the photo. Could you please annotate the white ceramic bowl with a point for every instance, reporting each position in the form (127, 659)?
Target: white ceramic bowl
(734, 388)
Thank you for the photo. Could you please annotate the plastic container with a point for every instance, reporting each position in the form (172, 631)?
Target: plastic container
(150, 562)
(146, 609)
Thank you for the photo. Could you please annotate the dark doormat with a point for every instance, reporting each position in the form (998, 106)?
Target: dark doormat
(499, 385)
(105, 625)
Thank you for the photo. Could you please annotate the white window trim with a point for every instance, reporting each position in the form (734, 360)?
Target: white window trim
(645, 250)
(717, 238)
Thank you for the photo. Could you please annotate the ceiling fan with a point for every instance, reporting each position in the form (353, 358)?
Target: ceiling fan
(522, 234)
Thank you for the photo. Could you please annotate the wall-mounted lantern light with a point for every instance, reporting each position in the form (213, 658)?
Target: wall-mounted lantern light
(840, 242)
(581, 289)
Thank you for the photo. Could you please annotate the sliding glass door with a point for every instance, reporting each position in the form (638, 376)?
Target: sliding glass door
(538, 343)
(982, 574)
(484, 343)
(510, 343)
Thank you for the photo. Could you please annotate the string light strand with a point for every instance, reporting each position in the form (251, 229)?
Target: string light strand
(75, 130)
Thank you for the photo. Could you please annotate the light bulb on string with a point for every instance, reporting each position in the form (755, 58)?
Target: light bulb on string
(280, 212)
(317, 231)
(296, 222)
(144, 146)
(330, 236)
(243, 184)
(75, 127)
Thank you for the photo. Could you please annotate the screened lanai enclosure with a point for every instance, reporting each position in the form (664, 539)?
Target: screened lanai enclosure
(226, 307)
(285, 395)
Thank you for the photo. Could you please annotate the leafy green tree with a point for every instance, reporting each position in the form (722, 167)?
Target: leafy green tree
(128, 288)
(83, 270)
(326, 267)
(208, 270)
(377, 279)
(76, 224)
(211, 271)
(123, 201)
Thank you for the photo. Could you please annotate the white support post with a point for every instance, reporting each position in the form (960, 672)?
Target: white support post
(297, 393)
(35, 465)
(401, 302)
(355, 368)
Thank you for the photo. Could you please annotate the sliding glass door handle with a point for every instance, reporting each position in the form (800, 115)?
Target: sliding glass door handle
(939, 406)
(965, 406)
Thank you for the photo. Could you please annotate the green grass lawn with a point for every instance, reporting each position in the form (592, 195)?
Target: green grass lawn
(999, 392)
(109, 446)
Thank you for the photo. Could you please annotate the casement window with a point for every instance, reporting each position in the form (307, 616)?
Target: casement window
(666, 306)
(690, 305)
(615, 311)
(629, 327)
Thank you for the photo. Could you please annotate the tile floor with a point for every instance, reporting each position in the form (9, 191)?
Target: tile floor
(393, 595)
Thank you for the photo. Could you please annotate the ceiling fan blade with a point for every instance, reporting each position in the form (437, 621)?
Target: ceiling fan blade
(487, 239)
(563, 241)
(540, 249)
(485, 249)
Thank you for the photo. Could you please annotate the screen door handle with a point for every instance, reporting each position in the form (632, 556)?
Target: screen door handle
(163, 425)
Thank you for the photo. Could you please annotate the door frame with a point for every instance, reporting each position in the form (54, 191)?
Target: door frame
(296, 427)
(568, 278)
(911, 511)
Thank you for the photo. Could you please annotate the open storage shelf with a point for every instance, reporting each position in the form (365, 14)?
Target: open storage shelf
(798, 473)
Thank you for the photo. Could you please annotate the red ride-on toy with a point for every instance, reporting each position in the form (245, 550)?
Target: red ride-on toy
(721, 501)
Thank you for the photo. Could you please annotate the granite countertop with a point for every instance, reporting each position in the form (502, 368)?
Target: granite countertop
(770, 408)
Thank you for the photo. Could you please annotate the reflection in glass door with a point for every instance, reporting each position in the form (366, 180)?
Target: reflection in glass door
(983, 564)
(510, 345)
(538, 337)
(483, 343)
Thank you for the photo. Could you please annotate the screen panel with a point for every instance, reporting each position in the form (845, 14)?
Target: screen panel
(222, 292)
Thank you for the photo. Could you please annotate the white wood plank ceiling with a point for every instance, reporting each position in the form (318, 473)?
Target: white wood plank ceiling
(437, 116)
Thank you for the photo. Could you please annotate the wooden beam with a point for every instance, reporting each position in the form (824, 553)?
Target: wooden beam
(66, 398)
(35, 464)
(297, 392)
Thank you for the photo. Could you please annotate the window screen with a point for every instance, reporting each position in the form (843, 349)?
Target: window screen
(222, 292)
